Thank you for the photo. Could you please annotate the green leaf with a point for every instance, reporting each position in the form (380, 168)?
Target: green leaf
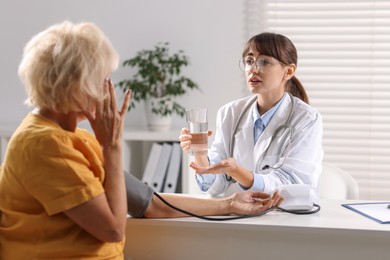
(157, 73)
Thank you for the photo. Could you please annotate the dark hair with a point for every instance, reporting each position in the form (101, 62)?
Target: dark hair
(281, 48)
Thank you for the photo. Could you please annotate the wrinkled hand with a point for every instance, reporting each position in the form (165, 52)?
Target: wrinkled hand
(252, 202)
(226, 166)
(185, 138)
(107, 122)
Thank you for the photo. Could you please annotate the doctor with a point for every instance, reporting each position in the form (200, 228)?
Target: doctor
(268, 139)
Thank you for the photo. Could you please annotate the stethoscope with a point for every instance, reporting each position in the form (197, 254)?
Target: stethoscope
(287, 140)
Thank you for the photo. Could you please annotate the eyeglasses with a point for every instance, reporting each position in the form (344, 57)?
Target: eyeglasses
(262, 64)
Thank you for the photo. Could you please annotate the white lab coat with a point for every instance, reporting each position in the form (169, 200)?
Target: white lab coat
(303, 163)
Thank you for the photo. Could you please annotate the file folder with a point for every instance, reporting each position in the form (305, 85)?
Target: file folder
(174, 169)
(161, 167)
(151, 164)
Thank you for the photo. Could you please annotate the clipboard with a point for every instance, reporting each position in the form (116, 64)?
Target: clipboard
(377, 211)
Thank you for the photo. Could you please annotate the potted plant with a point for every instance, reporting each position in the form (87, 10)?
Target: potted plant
(158, 81)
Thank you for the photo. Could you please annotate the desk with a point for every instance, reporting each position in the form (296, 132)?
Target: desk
(333, 233)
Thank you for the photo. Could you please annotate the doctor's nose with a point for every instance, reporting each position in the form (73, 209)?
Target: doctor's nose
(255, 69)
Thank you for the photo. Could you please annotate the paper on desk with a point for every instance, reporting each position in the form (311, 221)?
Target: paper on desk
(376, 211)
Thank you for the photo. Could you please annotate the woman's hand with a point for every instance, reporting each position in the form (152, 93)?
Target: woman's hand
(228, 166)
(251, 202)
(104, 216)
(107, 123)
(185, 138)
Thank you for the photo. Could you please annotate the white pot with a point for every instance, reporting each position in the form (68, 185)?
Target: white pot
(156, 122)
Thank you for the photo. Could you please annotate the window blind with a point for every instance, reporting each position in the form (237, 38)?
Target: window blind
(344, 64)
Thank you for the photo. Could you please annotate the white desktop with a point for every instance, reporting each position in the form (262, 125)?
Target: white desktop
(333, 233)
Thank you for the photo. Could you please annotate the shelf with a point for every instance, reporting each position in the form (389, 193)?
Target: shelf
(7, 130)
(129, 134)
(137, 134)
(5, 134)
(137, 145)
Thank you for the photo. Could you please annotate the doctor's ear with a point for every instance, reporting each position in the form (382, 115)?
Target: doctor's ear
(290, 71)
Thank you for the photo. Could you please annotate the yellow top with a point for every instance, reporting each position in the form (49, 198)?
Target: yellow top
(48, 170)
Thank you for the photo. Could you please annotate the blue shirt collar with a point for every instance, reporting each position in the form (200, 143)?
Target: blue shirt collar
(266, 118)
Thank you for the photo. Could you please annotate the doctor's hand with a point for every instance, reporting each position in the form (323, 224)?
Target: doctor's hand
(185, 138)
(251, 202)
(228, 166)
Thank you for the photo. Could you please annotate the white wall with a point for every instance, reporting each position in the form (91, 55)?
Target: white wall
(211, 32)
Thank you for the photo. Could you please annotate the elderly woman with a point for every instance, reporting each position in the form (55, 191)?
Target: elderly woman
(62, 190)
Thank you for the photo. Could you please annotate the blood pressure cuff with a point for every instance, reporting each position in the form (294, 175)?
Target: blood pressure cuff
(139, 195)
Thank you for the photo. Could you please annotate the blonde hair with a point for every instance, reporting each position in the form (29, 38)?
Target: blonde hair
(64, 67)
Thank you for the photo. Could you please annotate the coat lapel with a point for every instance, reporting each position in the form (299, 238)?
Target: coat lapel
(244, 146)
(265, 139)
(248, 153)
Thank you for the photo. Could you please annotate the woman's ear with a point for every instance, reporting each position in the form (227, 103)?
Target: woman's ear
(290, 71)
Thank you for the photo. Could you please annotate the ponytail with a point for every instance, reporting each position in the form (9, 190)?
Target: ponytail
(295, 88)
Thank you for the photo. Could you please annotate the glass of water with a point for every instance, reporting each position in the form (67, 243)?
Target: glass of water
(198, 125)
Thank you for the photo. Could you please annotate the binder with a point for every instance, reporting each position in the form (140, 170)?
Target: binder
(151, 164)
(161, 167)
(174, 169)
